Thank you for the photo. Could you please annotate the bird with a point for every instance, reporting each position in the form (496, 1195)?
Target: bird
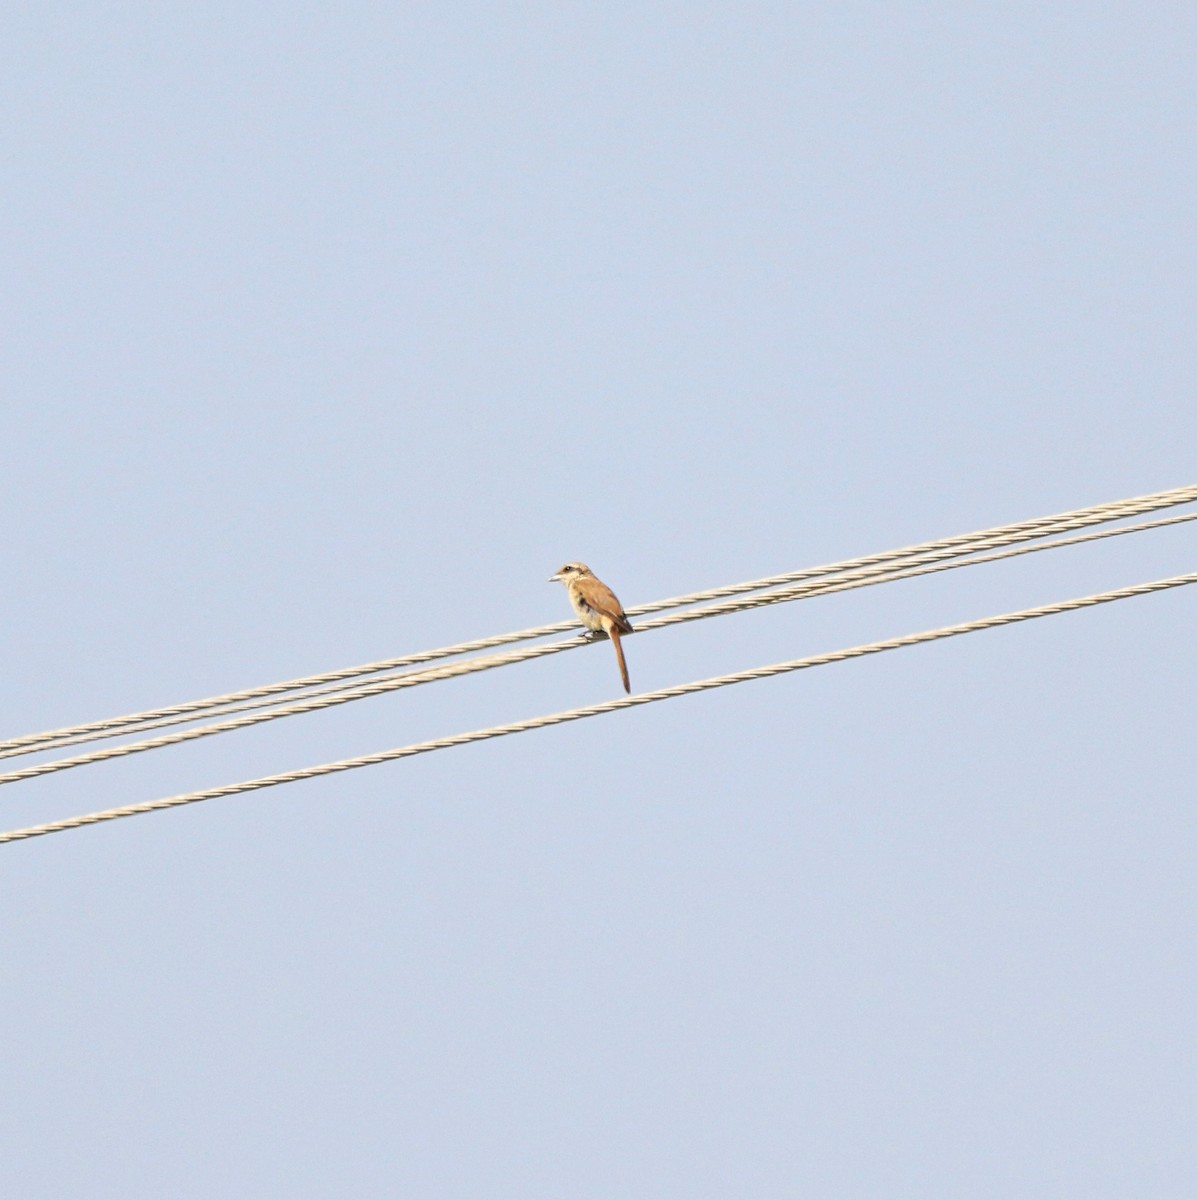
(597, 606)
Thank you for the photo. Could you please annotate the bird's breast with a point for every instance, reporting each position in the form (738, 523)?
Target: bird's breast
(588, 616)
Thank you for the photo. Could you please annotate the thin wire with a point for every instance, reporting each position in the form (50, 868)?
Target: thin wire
(1023, 530)
(316, 702)
(594, 710)
(880, 574)
(410, 679)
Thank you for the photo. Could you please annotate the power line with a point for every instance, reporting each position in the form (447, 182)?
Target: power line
(594, 710)
(1019, 531)
(814, 588)
(922, 564)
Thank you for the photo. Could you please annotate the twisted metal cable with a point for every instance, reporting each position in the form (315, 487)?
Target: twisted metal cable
(1019, 531)
(595, 710)
(881, 574)
(931, 563)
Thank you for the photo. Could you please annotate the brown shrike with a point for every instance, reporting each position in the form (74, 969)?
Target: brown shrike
(596, 605)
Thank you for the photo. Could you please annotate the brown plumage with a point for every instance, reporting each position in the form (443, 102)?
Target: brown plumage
(597, 607)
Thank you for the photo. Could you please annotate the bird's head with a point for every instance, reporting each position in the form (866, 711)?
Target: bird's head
(573, 570)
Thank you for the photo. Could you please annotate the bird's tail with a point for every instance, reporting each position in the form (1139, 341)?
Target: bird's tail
(623, 666)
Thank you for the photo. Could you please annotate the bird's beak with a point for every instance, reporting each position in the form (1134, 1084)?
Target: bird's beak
(555, 578)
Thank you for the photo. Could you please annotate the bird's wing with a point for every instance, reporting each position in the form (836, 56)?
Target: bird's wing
(604, 602)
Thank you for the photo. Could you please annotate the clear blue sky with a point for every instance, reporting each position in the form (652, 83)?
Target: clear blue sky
(331, 331)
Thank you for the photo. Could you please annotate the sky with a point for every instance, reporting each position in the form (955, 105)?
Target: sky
(330, 332)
